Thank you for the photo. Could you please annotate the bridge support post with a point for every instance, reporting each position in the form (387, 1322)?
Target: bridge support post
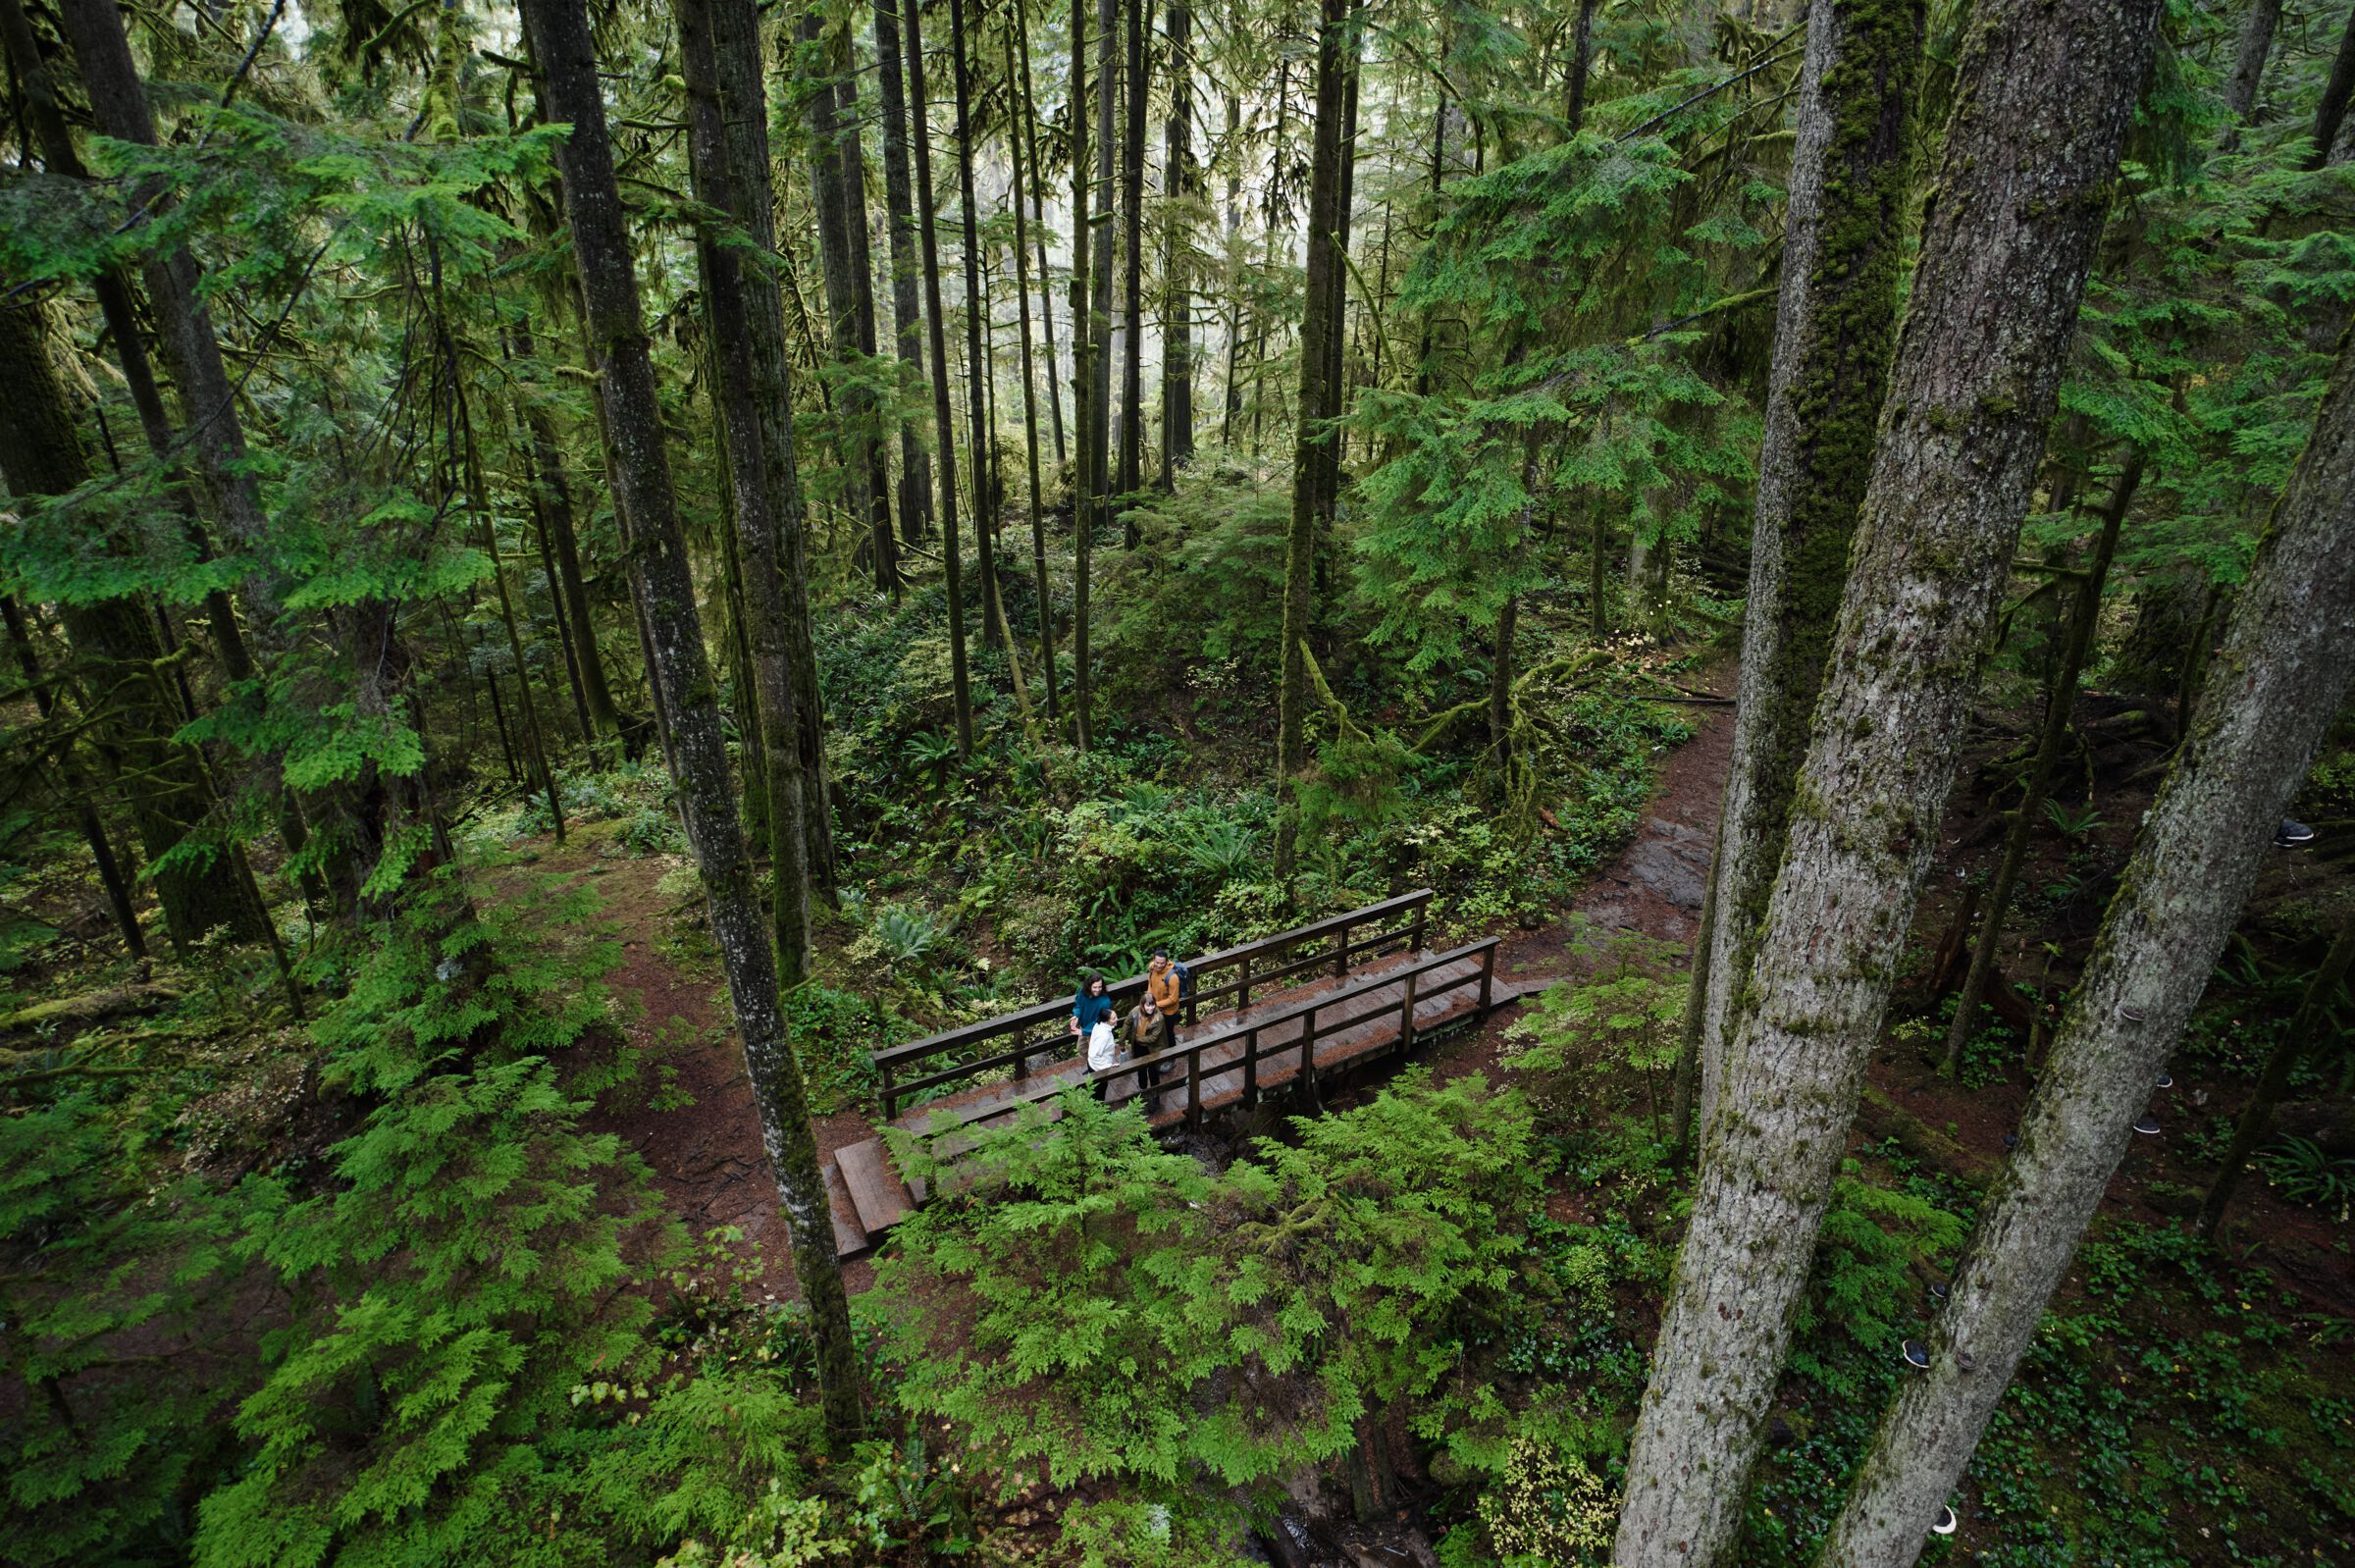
(1407, 1015)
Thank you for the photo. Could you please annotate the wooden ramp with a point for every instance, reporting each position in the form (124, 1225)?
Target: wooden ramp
(1336, 1018)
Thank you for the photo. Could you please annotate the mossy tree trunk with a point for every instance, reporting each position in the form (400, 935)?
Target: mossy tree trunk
(755, 418)
(2059, 704)
(135, 711)
(2285, 667)
(1836, 319)
(1016, 148)
(2249, 55)
(1132, 269)
(976, 313)
(663, 587)
(2045, 96)
(1027, 105)
(1085, 348)
(1312, 500)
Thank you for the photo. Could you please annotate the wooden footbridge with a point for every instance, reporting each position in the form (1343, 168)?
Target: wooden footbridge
(1276, 1014)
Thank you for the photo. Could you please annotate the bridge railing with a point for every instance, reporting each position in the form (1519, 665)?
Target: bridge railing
(1292, 1059)
(1223, 980)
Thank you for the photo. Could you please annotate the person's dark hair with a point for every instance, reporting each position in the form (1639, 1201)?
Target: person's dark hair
(1089, 980)
(1160, 952)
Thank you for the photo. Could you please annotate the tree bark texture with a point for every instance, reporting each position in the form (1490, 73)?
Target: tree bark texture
(1016, 149)
(977, 312)
(2077, 646)
(2332, 112)
(2043, 99)
(2249, 55)
(1132, 269)
(1836, 320)
(1311, 502)
(663, 586)
(755, 418)
(1029, 106)
(2285, 666)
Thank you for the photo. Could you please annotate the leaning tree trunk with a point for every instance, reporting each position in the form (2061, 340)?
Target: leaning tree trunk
(1176, 326)
(951, 551)
(1843, 240)
(906, 309)
(2299, 1036)
(2332, 112)
(2045, 98)
(2285, 667)
(2076, 648)
(756, 414)
(1311, 502)
(664, 587)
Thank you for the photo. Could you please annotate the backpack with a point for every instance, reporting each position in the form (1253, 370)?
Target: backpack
(1185, 981)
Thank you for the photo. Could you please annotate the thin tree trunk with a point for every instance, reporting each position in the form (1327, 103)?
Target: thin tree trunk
(137, 712)
(2303, 1030)
(1133, 271)
(1311, 502)
(540, 538)
(752, 390)
(1582, 53)
(554, 496)
(1176, 322)
(906, 309)
(921, 136)
(2287, 660)
(977, 307)
(1028, 109)
(1084, 351)
(478, 497)
(2059, 704)
(664, 587)
(1836, 319)
(1038, 529)
(1102, 464)
(2046, 95)
(841, 234)
(79, 789)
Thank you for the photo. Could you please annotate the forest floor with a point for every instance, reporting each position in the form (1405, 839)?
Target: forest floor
(705, 1155)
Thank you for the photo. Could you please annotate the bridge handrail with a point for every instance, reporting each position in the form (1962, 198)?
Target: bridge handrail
(1249, 1030)
(1413, 907)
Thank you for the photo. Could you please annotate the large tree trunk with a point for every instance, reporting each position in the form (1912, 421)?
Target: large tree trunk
(1311, 502)
(1086, 348)
(2283, 669)
(1178, 188)
(755, 398)
(921, 135)
(2046, 95)
(907, 310)
(136, 712)
(1836, 318)
(662, 585)
(2076, 648)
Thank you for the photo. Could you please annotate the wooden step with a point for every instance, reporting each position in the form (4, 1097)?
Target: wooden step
(881, 1199)
(850, 1237)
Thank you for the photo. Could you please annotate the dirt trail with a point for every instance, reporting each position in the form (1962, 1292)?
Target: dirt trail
(707, 1156)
